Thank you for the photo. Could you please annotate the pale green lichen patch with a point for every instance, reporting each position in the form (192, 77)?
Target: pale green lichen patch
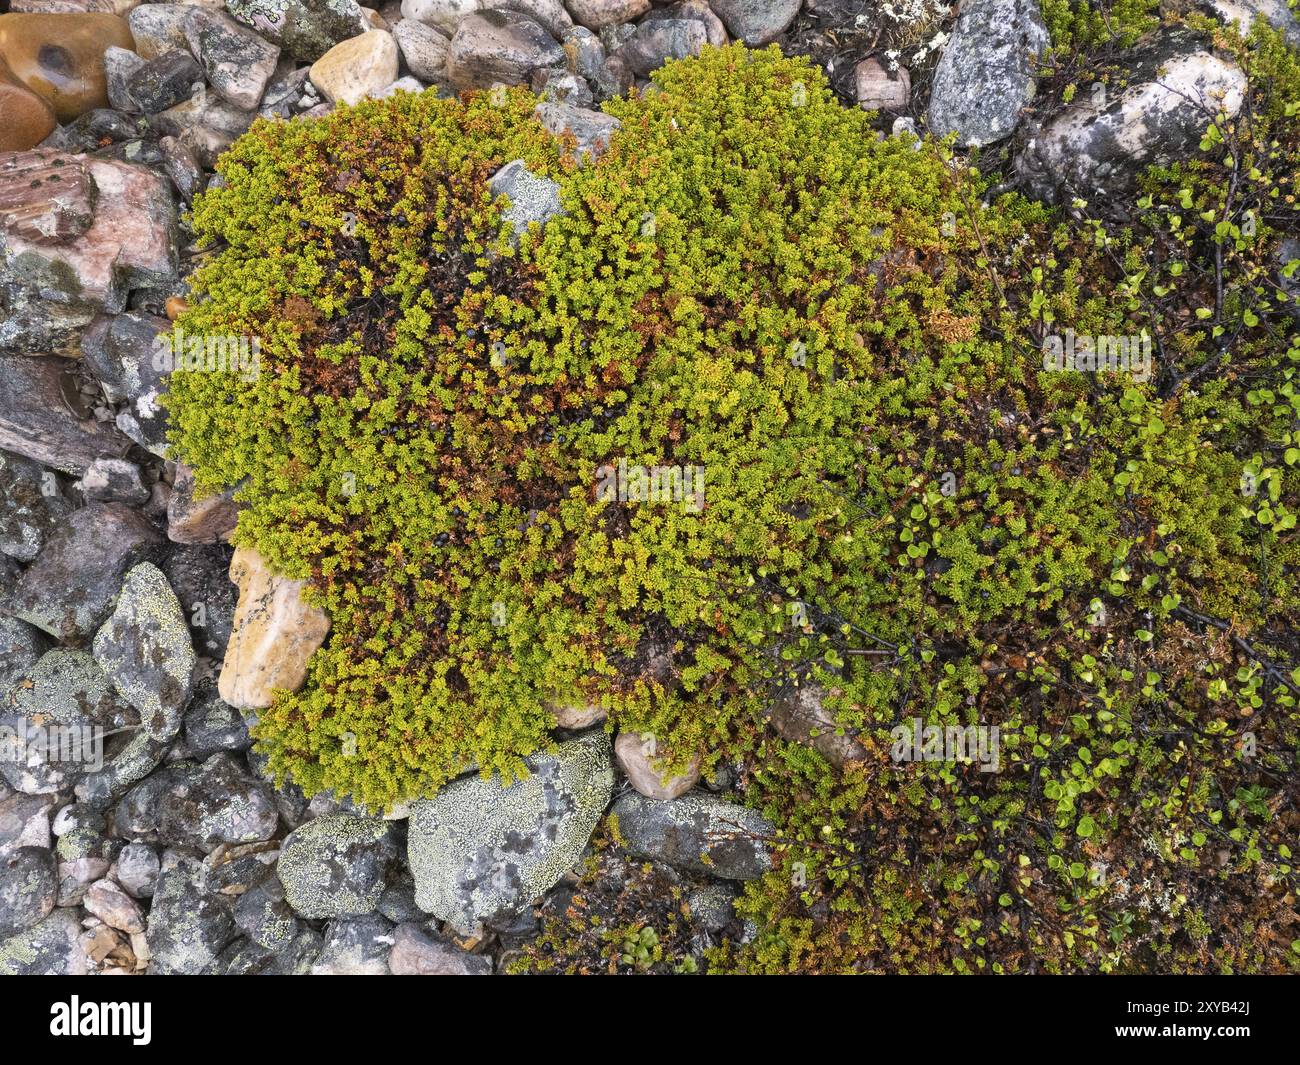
(49, 948)
(146, 650)
(335, 866)
(480, 850)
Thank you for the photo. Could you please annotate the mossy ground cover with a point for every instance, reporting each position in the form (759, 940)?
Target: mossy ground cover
(844, 333)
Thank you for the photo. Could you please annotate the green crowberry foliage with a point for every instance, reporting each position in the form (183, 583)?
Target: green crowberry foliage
(900, 507)
(426, 436)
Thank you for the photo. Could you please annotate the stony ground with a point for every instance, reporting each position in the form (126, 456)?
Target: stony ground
(126, 615)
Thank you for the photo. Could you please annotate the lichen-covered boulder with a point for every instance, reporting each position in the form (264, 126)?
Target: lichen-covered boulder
(158, 28)
(73, 583)
(200, 807)
(188, 925)
(756, 22)
(698, 833)
(264, 915)
(1175, 87)
(31, 506)
(306, 28)
(294, 957)
(28, 888)
(21, 647)
(212, 725)
(141, 755)
(986, 73)
(55, 722)
(145, 649)
(480, 851)
(355, 946)
(532, 198)
(336, 866)
(50, 948)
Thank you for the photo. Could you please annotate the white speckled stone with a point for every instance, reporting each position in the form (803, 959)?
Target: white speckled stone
(480, 851)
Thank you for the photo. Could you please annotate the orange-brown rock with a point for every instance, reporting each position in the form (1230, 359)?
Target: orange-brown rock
(61, 57)
(25, 119)
(275, 633)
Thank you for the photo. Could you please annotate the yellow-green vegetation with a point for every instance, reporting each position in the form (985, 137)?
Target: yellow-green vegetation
(623, 917)
(899, 504)
(1080, 25)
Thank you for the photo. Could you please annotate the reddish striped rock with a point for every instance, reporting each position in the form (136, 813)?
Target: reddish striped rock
(77, 235)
